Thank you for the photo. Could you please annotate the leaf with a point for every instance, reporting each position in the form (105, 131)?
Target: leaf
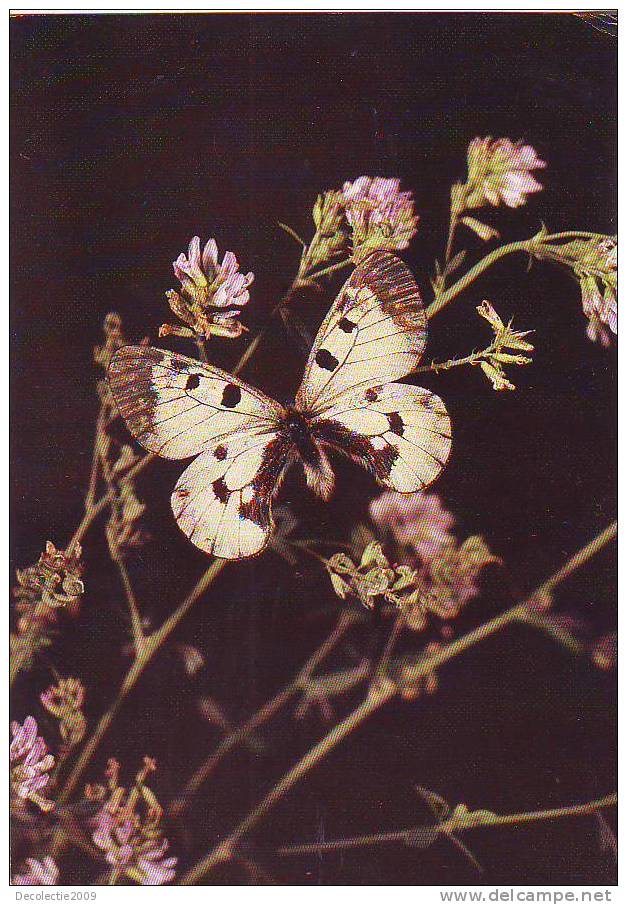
(292, 233)
(436, 804)
(456, 262)
(483, 230)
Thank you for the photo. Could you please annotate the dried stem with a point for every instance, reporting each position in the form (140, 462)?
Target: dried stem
(379, 695)
(455, 824)
(283, 697)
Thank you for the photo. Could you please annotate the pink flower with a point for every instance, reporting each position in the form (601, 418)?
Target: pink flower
(156, 869)
(597, 280)
(30, 764)
(207, 285)
(381, 216)
(38, 873)
(500, 171)
(127, 828)
(416, 521)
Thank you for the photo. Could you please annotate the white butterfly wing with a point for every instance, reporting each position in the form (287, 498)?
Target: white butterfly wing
(222, 500)
(375, 332)
(400, 433)
(178, 407)
(175, 406)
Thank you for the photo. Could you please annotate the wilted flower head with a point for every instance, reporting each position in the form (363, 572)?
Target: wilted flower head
(500, 172)
(53, 583)
(212, 294)
(506, 342)
(114, 339)
(124, 527)
(373, 577)
(30, 764)
(65, 702)
(128, 827)
(38, 873)
(380, 215)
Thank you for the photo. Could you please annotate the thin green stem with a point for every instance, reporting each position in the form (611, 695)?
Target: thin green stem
(131, 599)
(379, 695)
(454, 824)
(449, 294)
(332, 268)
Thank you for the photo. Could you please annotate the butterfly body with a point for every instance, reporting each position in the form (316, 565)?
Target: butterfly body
(244, 442)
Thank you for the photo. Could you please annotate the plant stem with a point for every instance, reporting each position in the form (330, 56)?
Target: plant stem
(379, 695)
(449, 294)
(264, 714)
(144, 653)
(131, 599)
(454, 824)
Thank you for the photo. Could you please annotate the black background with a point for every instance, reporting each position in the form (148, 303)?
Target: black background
(132, 133)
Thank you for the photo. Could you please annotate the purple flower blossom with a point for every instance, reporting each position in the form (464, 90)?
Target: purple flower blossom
(416, 521)
(208, 287)
(598, 292)
(127, 829)
(500, 172)
(38, 873)
(381, 216)
(30, 764)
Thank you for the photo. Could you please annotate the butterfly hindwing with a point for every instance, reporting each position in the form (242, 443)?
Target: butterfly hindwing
(400, 433)
(222, 500)
(175, 406)
(375, 331)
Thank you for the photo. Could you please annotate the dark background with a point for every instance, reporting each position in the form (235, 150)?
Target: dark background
(132, 133)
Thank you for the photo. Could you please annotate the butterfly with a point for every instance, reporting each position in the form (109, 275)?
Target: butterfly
(244, 442)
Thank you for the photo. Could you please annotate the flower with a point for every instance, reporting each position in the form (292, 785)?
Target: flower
(445, 571)
(38, 873)
(380, 215)
(65, 702)
(211, 295)
(416, 521)
(499, 352)
(500, 171)
(127, 828)
(599, 292)
(52, 583)
(30, 764)
(373, 577)
(592, 258)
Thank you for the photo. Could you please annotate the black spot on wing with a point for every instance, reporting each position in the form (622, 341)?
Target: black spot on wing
(193, 381)
(220, 452)
(346, 325)
(396, 423)
(221, 490)
(231, 396)
(325, 360)
(371, 395)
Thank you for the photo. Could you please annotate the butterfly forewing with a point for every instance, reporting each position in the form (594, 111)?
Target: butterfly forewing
(175, 406)
(402, 434)
(375, 331)
(178, 407)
